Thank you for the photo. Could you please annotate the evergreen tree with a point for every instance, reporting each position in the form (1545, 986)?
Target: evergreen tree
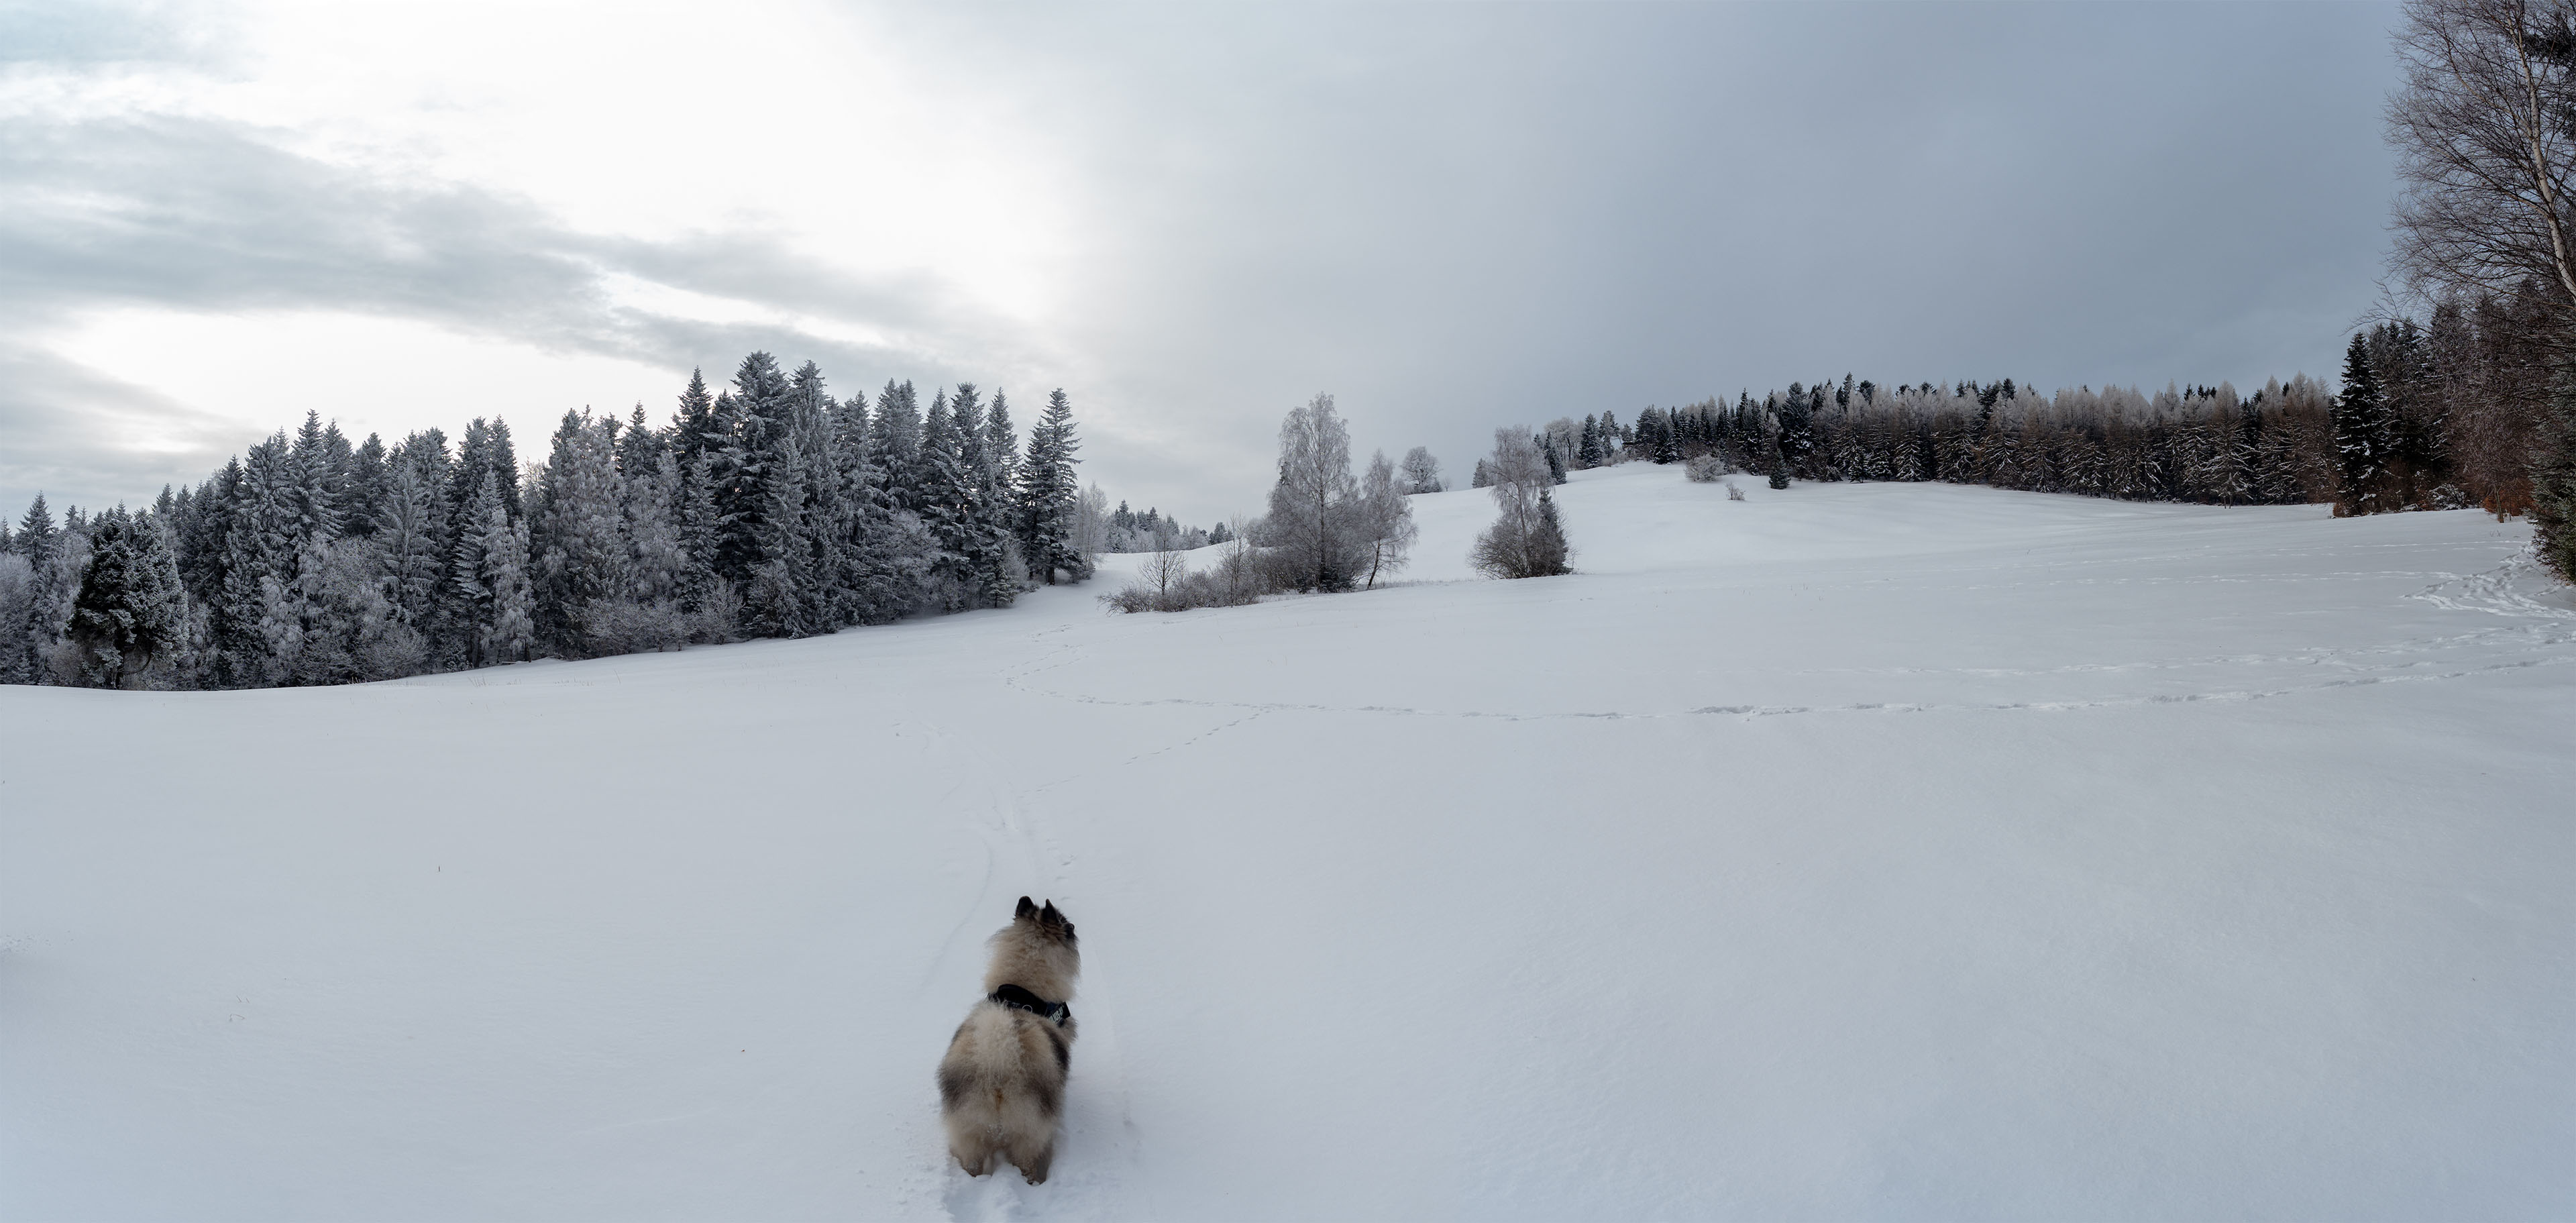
(694, 430)
(776, 599)
(944, 509)
(1547, 547)
(2553, 483)
(896, 433)
(489, 578)
(409, 552)
(362, 500)
(579, 534)
(1001, 441)
(1050, 495)
(315, 477)
(870, 580)
(129, 620)
(24, 638)
(1775, 456)
(2361, 436)
(821, 518)
(757, 415)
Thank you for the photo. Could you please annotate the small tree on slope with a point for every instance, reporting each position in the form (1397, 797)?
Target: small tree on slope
(1526, 540)
(1386, 519)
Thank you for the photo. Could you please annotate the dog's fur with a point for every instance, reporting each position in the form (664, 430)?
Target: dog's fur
(1001, 1087)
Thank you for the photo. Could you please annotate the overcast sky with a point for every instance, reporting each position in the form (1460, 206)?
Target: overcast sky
(1190, 217)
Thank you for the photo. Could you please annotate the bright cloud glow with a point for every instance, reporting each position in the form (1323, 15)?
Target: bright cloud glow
(373, 375)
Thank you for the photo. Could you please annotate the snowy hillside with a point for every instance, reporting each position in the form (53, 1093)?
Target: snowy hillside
(1855, 851)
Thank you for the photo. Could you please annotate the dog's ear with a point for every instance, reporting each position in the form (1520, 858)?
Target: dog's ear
(1024, 910)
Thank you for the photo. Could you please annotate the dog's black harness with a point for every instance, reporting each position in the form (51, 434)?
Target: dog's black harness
(1014, 996)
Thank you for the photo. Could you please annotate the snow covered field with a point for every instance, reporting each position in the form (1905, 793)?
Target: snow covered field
(1856, 851)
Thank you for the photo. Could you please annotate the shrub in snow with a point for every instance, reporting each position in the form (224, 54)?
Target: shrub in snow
(1166, 583)
(1733, 493)
(1705, 469)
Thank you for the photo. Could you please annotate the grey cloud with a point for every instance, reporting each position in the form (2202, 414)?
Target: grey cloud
(1453, 216)
(1460, 216)
(192, 214)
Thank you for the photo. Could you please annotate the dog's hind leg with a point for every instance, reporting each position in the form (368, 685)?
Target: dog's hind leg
(973, 1148)
(1034, 1158)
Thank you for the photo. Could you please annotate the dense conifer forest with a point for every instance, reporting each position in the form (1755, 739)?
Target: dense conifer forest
(766, 509)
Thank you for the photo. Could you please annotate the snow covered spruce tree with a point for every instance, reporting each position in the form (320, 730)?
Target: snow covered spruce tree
(1314, 533)
(1050, 497)
(1527, 540)
(28, 593)
(2361, 436)
(129, 621)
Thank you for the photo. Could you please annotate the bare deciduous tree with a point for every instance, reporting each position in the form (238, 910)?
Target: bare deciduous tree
(2485, 136)
(1385, 519)
(1165, 569)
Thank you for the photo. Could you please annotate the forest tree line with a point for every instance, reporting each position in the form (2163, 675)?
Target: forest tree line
(2438, 417)
(766, 509)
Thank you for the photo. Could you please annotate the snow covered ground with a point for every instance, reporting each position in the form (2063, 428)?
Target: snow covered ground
(1855, 851)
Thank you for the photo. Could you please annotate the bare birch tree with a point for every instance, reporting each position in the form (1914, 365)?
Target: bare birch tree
(1385, 519)
(1310, 529)
(2485, 134)
(1526, 540)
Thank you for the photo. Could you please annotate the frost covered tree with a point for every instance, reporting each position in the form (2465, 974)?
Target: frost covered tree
(1385, 519)
(25, 635)
(310, 560)
(490, 579)
(1776, 458)
(1526, 540)
(408, 549)
(579, 534)
(17, 606)
(1312, 531)
(129, 620)
(1091, 522)
(1421, 471)
(1050, 495)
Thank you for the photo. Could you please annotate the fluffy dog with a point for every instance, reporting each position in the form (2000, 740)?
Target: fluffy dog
(1001, 1087)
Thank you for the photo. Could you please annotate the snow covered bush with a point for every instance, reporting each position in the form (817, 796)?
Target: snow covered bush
(1166, 583)
(1705, 469)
